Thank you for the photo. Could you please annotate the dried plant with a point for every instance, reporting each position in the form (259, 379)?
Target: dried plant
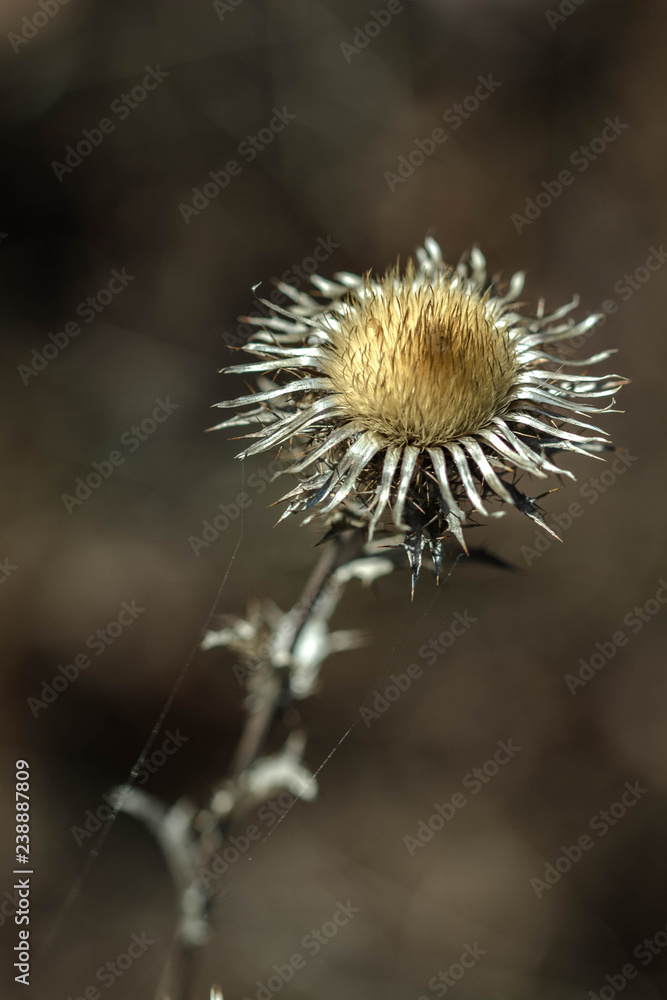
(418, 400)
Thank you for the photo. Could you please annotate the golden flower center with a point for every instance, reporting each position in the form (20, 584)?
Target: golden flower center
(423, 365)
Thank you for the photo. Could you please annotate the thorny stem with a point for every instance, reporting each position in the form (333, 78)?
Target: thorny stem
(190, 837)
(342, 548)
(286, 668)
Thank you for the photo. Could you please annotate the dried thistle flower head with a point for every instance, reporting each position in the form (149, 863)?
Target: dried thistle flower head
(419, 397)
(403, 366)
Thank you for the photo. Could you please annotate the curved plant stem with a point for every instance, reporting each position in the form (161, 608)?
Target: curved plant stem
(286, 668)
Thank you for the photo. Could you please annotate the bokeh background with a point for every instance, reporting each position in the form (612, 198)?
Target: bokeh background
(165, 335)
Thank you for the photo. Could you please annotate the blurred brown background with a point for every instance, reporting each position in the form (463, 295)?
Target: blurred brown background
(167, 332)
